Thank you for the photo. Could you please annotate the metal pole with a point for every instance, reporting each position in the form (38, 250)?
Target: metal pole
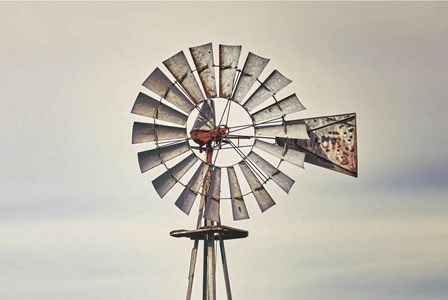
(224, 267)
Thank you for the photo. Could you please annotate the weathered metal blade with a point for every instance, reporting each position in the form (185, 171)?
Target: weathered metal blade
(288, 105)
(294, 157)
(145, 132)
(155, 157)
(228, 63)
(179, 67)
(188, 196)
(206, 119)
(281, 179)
(203, 60)
(239, 209)
(332, 144)
(158, 83)
(273, 84)
(252, 69)
(262, 197)
(211, 211)
(168, 179)
(287, 130)
(149, 107)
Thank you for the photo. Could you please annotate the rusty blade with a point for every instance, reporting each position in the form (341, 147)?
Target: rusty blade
(228, 63)
(168, 179)
(149, 107)
(188, 196)
(292, 156)
(145, 132)
(155, 157)
(262, 197)
(272, 85)
(203, 60)
(286, 130)
(211, 211)
(179, 67)
(288, 105)
(239, 209)
(252, 69)
(158, 83)
(281, 179)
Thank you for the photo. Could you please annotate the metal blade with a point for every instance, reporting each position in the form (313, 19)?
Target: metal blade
(206, 119)
(145, 132)
(228, 63)
(168, 179)
(294, 157)
(203, 60)
(213, 198)
(264, 200)
(149, 107)
(273, 84)
(155, 157)
(179, 67)
(158, 83)
(287, 130)
(288, 105)
(239, 209)
(188, 196)
(281, 179)
(252, 69)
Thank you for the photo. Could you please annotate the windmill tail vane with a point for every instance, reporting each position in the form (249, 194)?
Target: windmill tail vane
(210, 128)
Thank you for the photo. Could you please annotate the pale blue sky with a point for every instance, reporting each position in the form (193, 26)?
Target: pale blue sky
(79, 221)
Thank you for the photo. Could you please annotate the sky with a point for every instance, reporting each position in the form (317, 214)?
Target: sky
(79, 221)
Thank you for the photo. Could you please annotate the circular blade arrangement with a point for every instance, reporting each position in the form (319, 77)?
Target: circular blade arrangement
(197, 124)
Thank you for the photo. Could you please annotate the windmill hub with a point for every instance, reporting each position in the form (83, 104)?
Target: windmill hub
(207, 137)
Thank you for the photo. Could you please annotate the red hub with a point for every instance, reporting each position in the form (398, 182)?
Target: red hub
(203, 137)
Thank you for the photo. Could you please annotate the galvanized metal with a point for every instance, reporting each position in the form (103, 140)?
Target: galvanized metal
(203, 60)
(294, 157)
(272, 85)
(206, 117)
(288, 105)
(281, 179)
(158, 83)
(152, 158)
(145, 132)
(286, 130)
(188, 196)
(149, 107)
(264, 200)
(212, 203)
(179, 67)
(228, 63)
(239, 209)
(168, 179)
(253, 67)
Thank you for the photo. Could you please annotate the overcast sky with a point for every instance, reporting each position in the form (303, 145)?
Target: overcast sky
(79, 221)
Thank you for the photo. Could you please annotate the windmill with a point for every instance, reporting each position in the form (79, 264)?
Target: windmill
(233, 133)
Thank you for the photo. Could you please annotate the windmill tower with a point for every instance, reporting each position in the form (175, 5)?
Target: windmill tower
(230, 134)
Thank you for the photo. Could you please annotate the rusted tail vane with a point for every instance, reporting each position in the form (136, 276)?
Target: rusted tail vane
(156, 157)
(288, 105)
(158, 83)
(179, 67)
(168, 179)
(203, 60)
(239, 209)
(228, 63)
(286, 130)
(211, 211)
(294, 157)
(145, 132)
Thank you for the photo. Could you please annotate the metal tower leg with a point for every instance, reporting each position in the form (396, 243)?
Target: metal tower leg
(224, 267)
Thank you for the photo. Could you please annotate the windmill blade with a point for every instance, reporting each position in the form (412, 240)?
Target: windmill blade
(146, 106)
(294, 157)
(228, 63)
(158, 83)
(155, 157)
(145, 132)
(252, 69)
(273, 84)
(288, 105)
(264, 200)
(211, 211)
(281, 179)
(188, 196)
(239, 209)
(168, 179)
(179, 67)
(286, 130)
(203, 60)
